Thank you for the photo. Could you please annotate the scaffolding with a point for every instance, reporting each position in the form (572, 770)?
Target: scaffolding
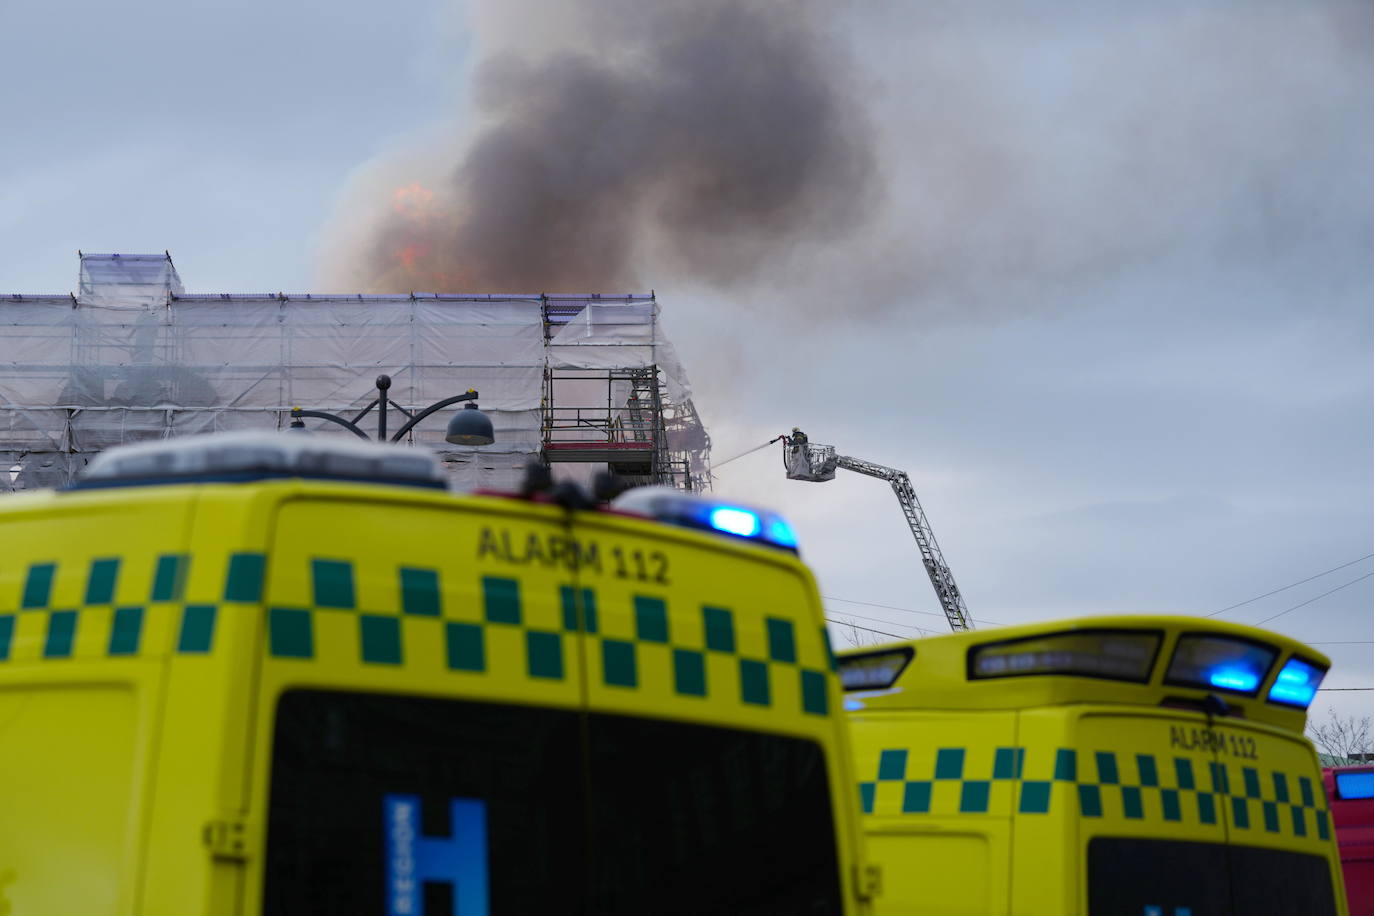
(627, 430)
(581, 381)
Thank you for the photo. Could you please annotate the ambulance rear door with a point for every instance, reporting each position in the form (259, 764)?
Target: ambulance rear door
(1183, 813)
(719, 776)
(423, 693)
(1136, 794)
(90, 607)
(938, 790)
(1281, 838)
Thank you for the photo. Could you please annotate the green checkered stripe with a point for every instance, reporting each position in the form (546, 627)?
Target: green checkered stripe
(1267, 801)
(195, 630)
(616, 660)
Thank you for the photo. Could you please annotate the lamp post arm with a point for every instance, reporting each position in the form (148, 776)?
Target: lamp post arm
(296, 413)
(438, 405)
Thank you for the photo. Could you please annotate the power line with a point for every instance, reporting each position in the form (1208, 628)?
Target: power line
(890, 607)
(909, 610)
(1324, 689)
(1345, 642)
(1318, 598)
(865, 629)
(921, 630)
(1291, 585)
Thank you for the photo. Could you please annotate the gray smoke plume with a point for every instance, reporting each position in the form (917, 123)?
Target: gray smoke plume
(704, 135)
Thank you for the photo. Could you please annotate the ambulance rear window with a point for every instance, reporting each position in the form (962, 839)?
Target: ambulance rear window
(406, 804)
(1120, 655)
(1135, 876)
(874, 670)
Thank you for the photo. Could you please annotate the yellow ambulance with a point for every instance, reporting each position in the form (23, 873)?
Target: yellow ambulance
(1117, 766)
(263, 674)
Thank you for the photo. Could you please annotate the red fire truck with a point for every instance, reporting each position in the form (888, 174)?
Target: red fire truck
(1351, 791)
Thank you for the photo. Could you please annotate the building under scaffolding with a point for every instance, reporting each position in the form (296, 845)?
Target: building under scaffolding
(587, 381)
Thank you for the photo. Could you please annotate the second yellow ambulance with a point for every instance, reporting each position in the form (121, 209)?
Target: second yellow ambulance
(1119, 766)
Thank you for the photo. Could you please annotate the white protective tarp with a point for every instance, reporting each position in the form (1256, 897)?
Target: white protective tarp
(128, 280)
(124, 362)
(79, 378)
(608, 335)
(611, 335)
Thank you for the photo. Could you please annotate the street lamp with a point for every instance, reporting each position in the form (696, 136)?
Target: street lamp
(469, 426)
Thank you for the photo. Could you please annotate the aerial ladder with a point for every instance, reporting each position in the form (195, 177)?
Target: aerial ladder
(808, 461)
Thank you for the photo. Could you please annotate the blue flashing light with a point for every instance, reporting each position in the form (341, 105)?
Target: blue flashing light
(1359, 784)
(742, 522)
(1214, 661)
(1296, 684)
(781, 533)
(1234, 679)
(677, 508)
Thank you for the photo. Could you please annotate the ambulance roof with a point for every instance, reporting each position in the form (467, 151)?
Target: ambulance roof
(1144, 660)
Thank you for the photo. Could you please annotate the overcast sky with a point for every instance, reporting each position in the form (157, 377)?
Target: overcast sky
(1110, 307)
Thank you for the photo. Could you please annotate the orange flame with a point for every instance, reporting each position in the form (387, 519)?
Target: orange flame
(410, 254)
(413, 200)
(413, 260)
